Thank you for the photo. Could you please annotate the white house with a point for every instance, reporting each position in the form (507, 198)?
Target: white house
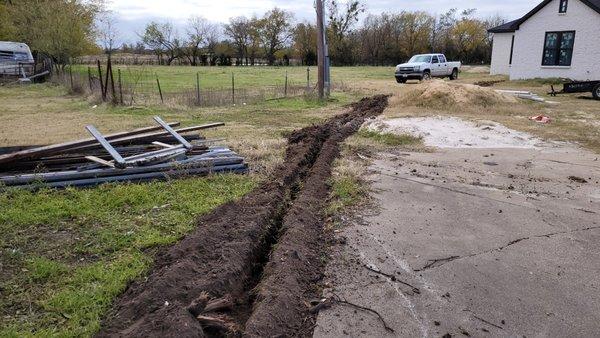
(558, 38)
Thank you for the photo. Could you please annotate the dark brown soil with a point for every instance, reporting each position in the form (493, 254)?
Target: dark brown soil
(264, 253)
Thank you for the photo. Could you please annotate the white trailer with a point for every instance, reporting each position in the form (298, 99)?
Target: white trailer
(16, 60)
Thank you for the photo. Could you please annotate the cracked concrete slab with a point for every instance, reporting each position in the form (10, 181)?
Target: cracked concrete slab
(479, 242)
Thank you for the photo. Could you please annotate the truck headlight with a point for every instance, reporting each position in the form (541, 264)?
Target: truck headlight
(417, 68)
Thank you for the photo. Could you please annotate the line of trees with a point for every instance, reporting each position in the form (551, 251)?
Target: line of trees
(65, 29)
(61, 29)
(383, 39)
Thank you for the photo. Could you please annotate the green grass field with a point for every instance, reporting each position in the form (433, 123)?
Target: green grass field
(177, 78)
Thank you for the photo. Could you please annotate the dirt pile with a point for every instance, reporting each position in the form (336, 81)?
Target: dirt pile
(225, 278)
(441, 94)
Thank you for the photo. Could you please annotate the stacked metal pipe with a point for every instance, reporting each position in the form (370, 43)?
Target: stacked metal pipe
(152, 153)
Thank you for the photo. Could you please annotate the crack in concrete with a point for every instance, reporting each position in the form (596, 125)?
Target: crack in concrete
(434, 263)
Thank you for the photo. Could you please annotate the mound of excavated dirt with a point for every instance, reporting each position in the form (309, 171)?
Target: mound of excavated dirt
(440, 94)
(252, 266)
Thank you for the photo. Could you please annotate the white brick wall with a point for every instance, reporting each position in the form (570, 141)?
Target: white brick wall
(529, 43)
(501, 54)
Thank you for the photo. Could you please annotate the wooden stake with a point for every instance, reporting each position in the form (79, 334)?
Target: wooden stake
(112, 82)
(71, 76)
(101, 84)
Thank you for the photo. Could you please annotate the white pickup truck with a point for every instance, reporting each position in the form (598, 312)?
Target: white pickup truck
(426, 66)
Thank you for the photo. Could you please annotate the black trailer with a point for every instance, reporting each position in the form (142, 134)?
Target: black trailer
(579, 87)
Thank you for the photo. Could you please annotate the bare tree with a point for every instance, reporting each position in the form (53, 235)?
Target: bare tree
(162, 39)
(199, 32)
(107, 31)
(275, 32)
(341, 23)
(305, 43)
(239, 30)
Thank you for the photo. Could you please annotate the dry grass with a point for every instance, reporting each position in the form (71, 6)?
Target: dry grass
(46, 114)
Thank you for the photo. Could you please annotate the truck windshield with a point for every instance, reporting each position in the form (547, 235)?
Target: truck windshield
(420, 58)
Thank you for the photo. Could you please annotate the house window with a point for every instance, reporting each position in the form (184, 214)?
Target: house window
(563, 6)
(558, 48)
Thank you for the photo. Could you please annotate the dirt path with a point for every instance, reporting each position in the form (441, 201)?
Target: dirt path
(471, 241)
(225, 279)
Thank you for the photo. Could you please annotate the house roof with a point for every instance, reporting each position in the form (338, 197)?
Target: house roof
(512, 26)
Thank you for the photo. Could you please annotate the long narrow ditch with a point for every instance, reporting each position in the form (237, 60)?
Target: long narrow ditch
(251, 266)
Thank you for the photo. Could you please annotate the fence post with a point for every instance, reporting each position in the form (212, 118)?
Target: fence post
(90, 79)
(112, 82)
(71, 76)
(101, 84)
(160, 90)
(286, 84)
(120, 85)
(198, 88)
(307, 80)
(232, 88)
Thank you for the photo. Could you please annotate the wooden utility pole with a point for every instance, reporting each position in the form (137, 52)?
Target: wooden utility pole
(321, 48)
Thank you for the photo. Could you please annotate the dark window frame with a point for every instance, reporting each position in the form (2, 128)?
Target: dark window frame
(512, 50)
(558, 49)
(563, 5)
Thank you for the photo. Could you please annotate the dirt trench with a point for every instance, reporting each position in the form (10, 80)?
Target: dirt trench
(252, 266)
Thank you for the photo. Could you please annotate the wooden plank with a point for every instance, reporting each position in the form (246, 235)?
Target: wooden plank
(173, 133)
(152, 137)
(113, 153)
(101, 161)
(56, 148)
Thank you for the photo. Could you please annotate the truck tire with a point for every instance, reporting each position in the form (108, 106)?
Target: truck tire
(596, 92)
(454, 74)
(400, 80)
(426, 76)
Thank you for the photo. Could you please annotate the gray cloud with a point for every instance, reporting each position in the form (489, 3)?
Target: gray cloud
(134, 14)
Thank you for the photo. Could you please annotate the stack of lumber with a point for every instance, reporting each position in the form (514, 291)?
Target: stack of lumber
(152, 153)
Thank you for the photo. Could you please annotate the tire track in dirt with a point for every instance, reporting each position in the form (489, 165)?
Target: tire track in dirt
(252, 265)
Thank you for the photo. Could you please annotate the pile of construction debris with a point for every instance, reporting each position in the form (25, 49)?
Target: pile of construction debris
(152, 153)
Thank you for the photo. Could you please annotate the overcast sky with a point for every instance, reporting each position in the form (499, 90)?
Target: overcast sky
(132, 15)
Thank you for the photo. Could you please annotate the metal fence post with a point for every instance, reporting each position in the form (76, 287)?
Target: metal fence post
(101, 84)
(90, 79)
(233, 88)
(285, 90)
(160, 90)
(120, 85)
(198, 88)
(307, 79)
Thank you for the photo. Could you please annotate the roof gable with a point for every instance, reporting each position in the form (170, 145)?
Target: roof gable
(514, 25)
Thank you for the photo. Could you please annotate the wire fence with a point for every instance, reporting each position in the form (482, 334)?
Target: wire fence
(141, 86)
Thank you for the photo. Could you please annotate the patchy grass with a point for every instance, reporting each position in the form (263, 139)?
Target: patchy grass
(348, 185)
(67, 254)
(390, 139)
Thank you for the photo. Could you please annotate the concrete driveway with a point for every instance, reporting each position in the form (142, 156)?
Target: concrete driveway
(469, 241)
